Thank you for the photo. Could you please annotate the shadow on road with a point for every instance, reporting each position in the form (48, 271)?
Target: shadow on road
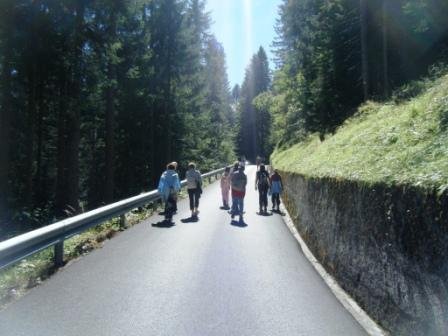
(238, 224)
(164, 224)
(265, 214)
(190, 220)
(278, 212)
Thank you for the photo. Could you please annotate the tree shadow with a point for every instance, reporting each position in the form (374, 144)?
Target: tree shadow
(238, 224)
(190, 220)
(165, 224)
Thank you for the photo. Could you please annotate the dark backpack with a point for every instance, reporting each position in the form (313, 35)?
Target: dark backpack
(263, 180)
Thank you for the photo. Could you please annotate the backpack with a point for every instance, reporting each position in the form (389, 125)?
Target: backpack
(263, 180)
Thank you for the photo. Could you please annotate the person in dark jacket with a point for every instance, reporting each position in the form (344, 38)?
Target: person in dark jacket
(262, 183)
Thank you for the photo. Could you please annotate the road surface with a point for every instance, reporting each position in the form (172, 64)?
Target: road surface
(201, 278)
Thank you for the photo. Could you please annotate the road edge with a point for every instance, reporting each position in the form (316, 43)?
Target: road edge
(369, 325)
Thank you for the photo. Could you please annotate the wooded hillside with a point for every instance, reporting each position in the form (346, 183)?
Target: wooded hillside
(97, 96)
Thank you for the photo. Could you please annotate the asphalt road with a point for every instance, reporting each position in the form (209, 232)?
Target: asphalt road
(203, 278)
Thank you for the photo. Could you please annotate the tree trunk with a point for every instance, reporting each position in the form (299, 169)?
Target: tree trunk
(31, 118)
(110, 118)
(74, 115)
(74, 123)
(5, 127)
(364, 51)
(385, 51)
(61, 178)
(40, 199)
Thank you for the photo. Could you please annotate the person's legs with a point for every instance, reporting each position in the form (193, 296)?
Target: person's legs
(265, 199)
(276, 200)
(197, 196)
(225, 198)
(169, 208)
(191, 198)
(234, 209)
(223, 194)
(241, 208)
(260, 199)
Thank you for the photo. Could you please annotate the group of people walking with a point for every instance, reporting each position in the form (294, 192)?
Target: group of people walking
(169, 187)
(233, 182)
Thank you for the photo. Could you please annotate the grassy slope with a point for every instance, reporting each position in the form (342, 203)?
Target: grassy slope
(403, 143)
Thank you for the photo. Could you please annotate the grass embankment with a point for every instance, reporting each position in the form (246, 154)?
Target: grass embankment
(399, 142)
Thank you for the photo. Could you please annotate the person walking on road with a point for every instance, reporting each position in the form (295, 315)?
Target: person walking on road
(194, 187)
(238, 185)
(225, 188)
(276, 189)
(262, 183)
(169, 186)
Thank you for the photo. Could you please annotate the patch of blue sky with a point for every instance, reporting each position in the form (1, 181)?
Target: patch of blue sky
(242, 26)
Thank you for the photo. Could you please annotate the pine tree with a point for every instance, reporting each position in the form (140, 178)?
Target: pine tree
(256, 81)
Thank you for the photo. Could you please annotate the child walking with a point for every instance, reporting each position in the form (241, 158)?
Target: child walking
(225, 188)
(238, 183)
(276, 189)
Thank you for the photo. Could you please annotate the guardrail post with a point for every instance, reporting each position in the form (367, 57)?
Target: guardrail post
(59, 254)
(123, 222)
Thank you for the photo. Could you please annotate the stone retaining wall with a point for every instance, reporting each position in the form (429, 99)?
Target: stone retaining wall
(386, 246)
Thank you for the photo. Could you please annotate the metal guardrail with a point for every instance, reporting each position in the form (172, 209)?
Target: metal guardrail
(27, 244)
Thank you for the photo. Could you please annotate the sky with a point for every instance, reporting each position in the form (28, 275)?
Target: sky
(242, 26)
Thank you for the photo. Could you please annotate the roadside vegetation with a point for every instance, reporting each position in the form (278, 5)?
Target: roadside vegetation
(17, 279)
(402, 141)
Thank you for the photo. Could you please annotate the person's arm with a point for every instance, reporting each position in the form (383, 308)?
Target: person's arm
(161, 185)
(256, 180)
(177, 185)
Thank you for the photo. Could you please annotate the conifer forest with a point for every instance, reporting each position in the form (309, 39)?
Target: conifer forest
(97, 96)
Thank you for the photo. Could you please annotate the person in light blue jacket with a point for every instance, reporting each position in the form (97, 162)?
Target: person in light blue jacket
(169, 186)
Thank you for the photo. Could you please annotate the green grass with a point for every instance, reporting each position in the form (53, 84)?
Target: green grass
(394, 143)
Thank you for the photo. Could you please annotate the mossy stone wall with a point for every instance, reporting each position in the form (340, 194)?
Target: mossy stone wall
(386, 246)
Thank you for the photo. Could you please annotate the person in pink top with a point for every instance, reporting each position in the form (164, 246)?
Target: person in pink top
(225, 188)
